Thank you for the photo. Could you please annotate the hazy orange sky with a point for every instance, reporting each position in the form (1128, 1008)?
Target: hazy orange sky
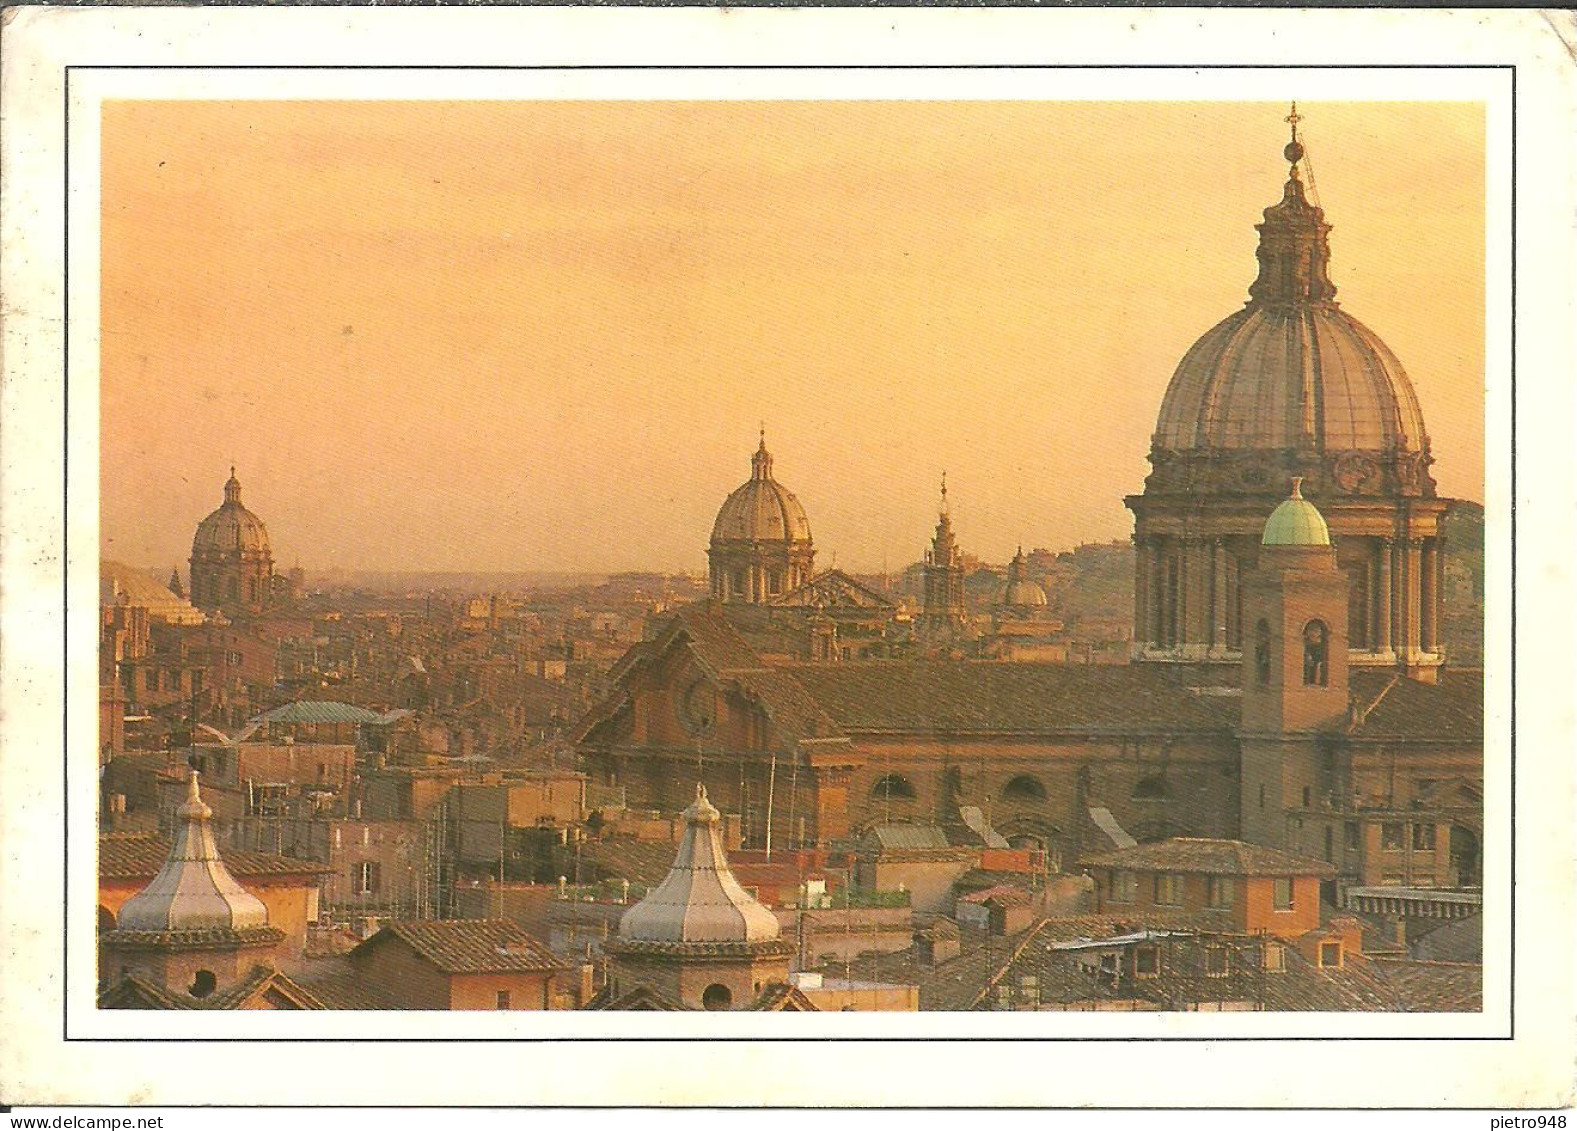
(541, 335)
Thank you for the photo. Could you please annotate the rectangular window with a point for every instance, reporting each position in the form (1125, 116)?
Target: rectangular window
(1391, 836)
(1424, 880)
(1221, 891)
(150, 679)
(1216, 962)
(1147, 961)
(1125, 887)
(1424, 838)
(1391, 880)
(1169, 889)
(364, 877)
(1330, 954)
(1282, 896)
(502, 1001)
(1351, 834)
(1306, 796)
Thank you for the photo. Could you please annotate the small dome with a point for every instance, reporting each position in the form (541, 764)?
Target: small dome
(1022, 591)
(231, 528)
(761, 510)
(699, 901)
(194, 891)
(1296, 522)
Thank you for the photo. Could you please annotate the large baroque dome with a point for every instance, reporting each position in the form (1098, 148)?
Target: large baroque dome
(762, 509)
(230, 528)
(1292, 384)
(1291, 388)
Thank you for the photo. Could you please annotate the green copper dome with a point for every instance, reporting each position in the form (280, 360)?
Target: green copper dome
(1296, 522)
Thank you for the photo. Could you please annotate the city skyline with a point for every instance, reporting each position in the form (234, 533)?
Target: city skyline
(402, 387)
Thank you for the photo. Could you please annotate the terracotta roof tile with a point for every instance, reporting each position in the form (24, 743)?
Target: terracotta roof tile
(902, 696)
(469, 946)
(139, 856)
(1212, 857)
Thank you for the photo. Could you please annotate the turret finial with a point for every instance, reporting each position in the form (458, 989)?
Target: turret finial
(1294, 150)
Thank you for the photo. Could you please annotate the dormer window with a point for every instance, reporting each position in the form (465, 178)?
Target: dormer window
(1330, 955)
(1147, 962)
(1217, 962)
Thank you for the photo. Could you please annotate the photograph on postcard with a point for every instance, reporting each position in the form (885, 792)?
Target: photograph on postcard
(793, 556)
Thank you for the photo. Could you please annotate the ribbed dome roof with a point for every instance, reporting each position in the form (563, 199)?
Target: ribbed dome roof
(699, 901)
(1308, 377)
(1021, 591)
(1291, 371)
(761, 510)
(1296, 522)
(194, 891)
(230, 528)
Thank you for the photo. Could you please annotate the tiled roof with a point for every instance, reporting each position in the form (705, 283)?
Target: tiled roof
(139, 856)
(780, 997)
(1212, 857)
(909, 837)
(641, 998)
(340, 983)
(469, 946)
(1450, 710)
(1061, 978)
(903, 696)
(135, 991)
(1434, 987)
(308, 711)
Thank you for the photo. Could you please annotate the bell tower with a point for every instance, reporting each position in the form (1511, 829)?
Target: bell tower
(1294, 672)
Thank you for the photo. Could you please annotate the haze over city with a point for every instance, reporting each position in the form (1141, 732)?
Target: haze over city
(542, 336)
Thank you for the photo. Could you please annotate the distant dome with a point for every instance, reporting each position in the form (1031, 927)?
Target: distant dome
(231, 528)
(1291, 371)
(1022, 591)
(1296, 522)
(121, 584)
(761, 510)
(699, 901)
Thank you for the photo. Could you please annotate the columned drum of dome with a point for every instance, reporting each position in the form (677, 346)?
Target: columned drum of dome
(232, 567)
(761, 546)
(1291, 385)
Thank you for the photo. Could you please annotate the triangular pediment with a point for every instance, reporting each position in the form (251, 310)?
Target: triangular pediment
(833, 589)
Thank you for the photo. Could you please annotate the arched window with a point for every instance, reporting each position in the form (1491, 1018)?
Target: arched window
(893, 787)
(1024, 788)
(1316, 654)
(716, 996)
(1262, 653)
(203, 984)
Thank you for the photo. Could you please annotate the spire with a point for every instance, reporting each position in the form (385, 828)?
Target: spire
(1294, 254)
(194, 890)
(761, 462)
(699, 901)
(233, 487)
(175, 582)
(944, 547)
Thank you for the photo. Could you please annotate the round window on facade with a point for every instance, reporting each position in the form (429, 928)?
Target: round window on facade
(716, 996)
